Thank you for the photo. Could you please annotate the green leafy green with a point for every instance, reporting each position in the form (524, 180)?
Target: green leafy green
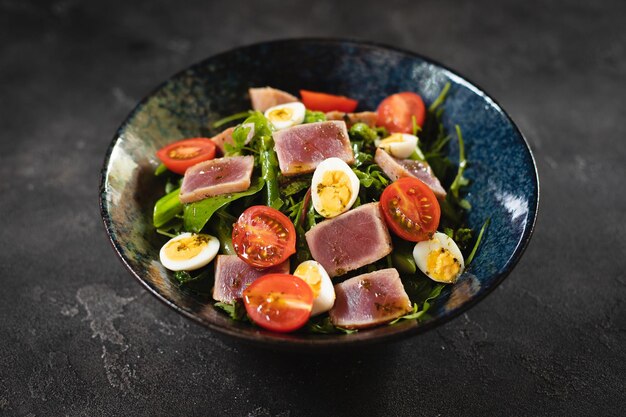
(373, 181)
(222, 228)
(184, 277)
(166, 208)
(440, 99)
(160, 170)
(459, 180)
(323, 325)
(363, 133)
(240, 134)
(231, 118)
(478, 239)
(402, 256)
(314, 116)
(461, 236)
(416, 312)
(197, 214)
(172, 228)
(236, 310)
(294, 185)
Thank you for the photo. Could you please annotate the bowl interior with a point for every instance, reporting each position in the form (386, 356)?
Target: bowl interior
(504, 185)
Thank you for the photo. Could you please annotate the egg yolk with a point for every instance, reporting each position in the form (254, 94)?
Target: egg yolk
(334, 192)
(442, 266)
(186, 248)
(311, 275)
(280, 115)
(395, 138)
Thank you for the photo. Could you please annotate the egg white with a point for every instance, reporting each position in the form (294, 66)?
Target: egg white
(401, 149)
(333, 164)
(296, 111)
(203, 258)
(325, 298)
(436, 243)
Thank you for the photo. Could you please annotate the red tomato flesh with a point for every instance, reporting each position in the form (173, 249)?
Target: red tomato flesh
(264, 237)
(396, 112)
(179, 156)
(410, 209)
(279, 302)
(327, 102)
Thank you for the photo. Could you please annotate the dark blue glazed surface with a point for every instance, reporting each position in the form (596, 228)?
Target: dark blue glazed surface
(504, 184)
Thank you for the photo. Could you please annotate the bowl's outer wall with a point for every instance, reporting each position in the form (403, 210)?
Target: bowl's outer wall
(504, 184)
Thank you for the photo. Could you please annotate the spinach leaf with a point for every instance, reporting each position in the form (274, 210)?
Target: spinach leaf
(196, 215)
(166, 208)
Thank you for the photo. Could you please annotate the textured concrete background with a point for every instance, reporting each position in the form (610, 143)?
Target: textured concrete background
(79, 337)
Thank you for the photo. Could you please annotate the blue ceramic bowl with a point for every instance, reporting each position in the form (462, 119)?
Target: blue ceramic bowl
(504, 184)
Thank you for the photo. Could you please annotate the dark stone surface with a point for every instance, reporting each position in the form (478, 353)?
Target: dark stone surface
(78, 336)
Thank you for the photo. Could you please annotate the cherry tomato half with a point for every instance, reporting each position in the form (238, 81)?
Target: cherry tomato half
(327, 102)
(279, 302)
(410, 209)
(179, 156)
(396, 112)
(264, 237)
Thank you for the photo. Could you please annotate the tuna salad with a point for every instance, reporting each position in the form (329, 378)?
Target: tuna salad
(309, 213)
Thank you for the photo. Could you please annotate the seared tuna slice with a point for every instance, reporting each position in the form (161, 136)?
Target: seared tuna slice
(367, 117)
(398, 168)
(301, 148)
(350, 240)
(265, 97)
(226, 137)
(370, 300)
(232, 276)
(217, 176)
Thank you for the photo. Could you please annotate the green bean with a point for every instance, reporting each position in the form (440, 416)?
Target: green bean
(269, 172)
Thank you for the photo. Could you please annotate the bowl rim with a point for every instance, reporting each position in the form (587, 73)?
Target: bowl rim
(322, 342)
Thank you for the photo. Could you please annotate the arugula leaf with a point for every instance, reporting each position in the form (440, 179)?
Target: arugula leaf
(440, 99)
(314, 116)
(461, 236)
(295, 185)
(196, 215)
(323, 325)
(459, 180)
(416, 312)
(478, 239)
(373, 181)
(240, 134)
(184, 277)
(236, 310)
(362, 132)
